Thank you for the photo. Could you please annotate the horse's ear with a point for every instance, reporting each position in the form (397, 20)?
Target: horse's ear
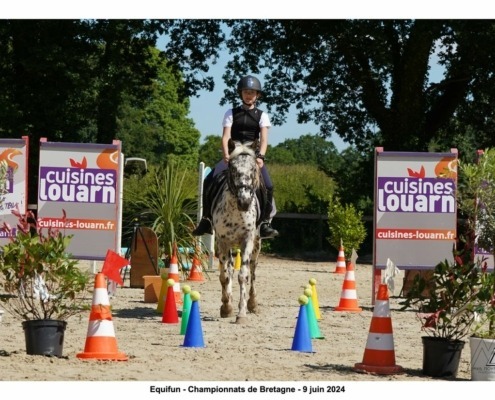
(231, 145)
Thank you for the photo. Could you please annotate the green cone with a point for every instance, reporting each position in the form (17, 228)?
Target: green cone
(313, 322)
(186, 308)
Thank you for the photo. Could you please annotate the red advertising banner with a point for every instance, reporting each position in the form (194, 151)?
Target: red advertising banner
(14, 152)
(83, 182)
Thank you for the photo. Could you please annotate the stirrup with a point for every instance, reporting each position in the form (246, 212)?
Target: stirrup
(203, 228)
(266, 231)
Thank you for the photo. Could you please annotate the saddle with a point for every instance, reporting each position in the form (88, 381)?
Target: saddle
(218, 184)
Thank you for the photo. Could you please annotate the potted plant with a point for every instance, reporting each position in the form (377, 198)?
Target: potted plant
(166, 201)
(40, 283)
(476, 200)
(444, 305)
(346, 227)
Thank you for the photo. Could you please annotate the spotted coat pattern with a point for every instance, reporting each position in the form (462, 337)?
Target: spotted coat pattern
(234, 221)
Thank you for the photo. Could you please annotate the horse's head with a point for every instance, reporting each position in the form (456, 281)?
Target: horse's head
(244, 174)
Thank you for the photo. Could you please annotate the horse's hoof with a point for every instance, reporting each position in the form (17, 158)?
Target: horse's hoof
(226, 312)
(241, 320)
(254, 310)
(252, 307)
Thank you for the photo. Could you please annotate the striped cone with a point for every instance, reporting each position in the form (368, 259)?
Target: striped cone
(173, 273)
(100, 339)
(379, 354)
(348, 297)
(195, 274)
(340, 267)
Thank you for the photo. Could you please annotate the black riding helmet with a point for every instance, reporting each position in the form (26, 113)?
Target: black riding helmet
(249, 82)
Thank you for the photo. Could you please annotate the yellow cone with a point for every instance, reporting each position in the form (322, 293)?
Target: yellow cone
(314, 298)
(162, 295)
(237, 264)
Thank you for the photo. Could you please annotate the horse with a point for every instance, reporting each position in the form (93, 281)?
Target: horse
(235, 215)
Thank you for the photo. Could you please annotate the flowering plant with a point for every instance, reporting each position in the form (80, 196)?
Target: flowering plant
(38, 278)
(445, 304)
(476, 200)
(485, 307)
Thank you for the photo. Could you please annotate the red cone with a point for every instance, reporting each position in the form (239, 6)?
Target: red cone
(170, 314)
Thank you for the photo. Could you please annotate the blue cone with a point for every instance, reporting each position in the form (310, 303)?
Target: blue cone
(194, 333)
(302, 336)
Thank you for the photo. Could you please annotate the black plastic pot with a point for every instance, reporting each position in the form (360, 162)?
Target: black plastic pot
(44, 337)
(441, 356)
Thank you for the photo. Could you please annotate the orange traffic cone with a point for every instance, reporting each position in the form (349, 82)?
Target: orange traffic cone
(170, 314)
(340, 267)
(173, 273)
(100, 339)
(195, 274)
(379, 354)
(348, 297)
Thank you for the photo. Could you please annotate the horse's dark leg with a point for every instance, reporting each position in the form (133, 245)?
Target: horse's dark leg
(252, 303)
(226, 275)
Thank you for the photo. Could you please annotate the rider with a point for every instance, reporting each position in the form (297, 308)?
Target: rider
(245, 123)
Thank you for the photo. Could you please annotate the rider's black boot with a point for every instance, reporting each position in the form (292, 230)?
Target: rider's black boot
(266, 229)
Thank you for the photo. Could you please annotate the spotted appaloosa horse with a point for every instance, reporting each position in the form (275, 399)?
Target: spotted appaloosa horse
(234, 217)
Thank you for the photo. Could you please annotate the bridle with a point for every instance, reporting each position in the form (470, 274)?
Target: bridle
(231, 183)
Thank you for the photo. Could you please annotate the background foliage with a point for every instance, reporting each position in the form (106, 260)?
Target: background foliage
(367, 81)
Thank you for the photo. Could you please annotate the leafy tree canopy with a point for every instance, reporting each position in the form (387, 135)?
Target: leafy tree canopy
(365, 80)
(93, 81)
(159, 130)
(211, 150)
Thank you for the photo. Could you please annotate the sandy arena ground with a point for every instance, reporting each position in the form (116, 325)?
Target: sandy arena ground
(257, 351)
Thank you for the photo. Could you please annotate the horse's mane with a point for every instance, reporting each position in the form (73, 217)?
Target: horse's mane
(242, 149)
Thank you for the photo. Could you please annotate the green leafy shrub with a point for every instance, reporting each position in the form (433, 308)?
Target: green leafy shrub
(301, 188)
(346, 226)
